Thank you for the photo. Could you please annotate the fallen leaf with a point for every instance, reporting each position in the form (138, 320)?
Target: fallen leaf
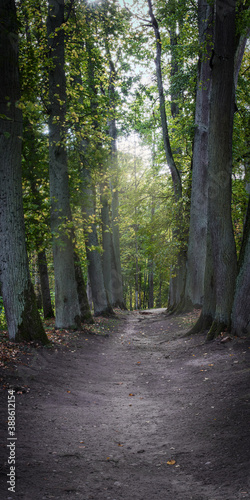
(68, 391)
(171, 462)
(131, 394)
(225, 339)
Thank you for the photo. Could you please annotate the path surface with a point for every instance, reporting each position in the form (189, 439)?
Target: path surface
(141, 414)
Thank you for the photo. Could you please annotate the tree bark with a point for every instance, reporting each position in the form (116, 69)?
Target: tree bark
(177, 284)
(151, 285)
(99, 294)
(44, 280)
(196, 255)
(86, 316)
(167, 147)
(117, 286)
(220, 229)
(19, 299)
(66, 298)
(106, 242)
(240, 310)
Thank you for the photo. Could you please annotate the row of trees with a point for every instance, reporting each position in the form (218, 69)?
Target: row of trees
(68, 92)
(207, 227)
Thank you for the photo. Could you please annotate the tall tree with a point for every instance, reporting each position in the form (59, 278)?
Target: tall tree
(177, 283)
(240, 311)
(18, 294)
(116, 276)
(221, 263)
(86, 152)
(167, 146)
(99, 294)
(66, 299)
(196, 255)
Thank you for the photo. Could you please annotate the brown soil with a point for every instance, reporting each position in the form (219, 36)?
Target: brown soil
(135, 412)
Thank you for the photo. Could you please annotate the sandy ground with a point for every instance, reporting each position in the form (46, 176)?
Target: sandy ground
(135, 412)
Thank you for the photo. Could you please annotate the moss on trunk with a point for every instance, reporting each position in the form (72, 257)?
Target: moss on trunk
(216, 329)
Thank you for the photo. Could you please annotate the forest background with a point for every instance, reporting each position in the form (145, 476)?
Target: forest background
(124, 139)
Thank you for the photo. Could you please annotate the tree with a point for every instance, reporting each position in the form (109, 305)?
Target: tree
(116, 273)
(86, 316)
(240, 310)
(66, 298)
(196, 254)
(99, 294)
(177, 284)
(88, 151)
(221, 261)
(18, 294)
(167, 147)
(44, 280)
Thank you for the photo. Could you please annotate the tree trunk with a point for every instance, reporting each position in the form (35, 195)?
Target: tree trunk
(99, 294)
(177, 284)
(220, 180)
(240, 310)
(66, 298)
(117, 287)
(151, 285)
(220, 229)
(89, 293)
(107, 244)
(19, 299)
(136, 273)
(159, 300)
(177, 287)
(196, 256)
(44, 280)
(130, 298)
(167, 147)
(35, 277)
(86, 316)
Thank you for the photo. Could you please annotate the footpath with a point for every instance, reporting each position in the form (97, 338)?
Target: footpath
(137, 411)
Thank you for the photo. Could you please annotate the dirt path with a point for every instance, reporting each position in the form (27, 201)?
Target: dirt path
(141, 414)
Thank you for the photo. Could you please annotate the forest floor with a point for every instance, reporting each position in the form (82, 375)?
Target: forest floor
(130, 409)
